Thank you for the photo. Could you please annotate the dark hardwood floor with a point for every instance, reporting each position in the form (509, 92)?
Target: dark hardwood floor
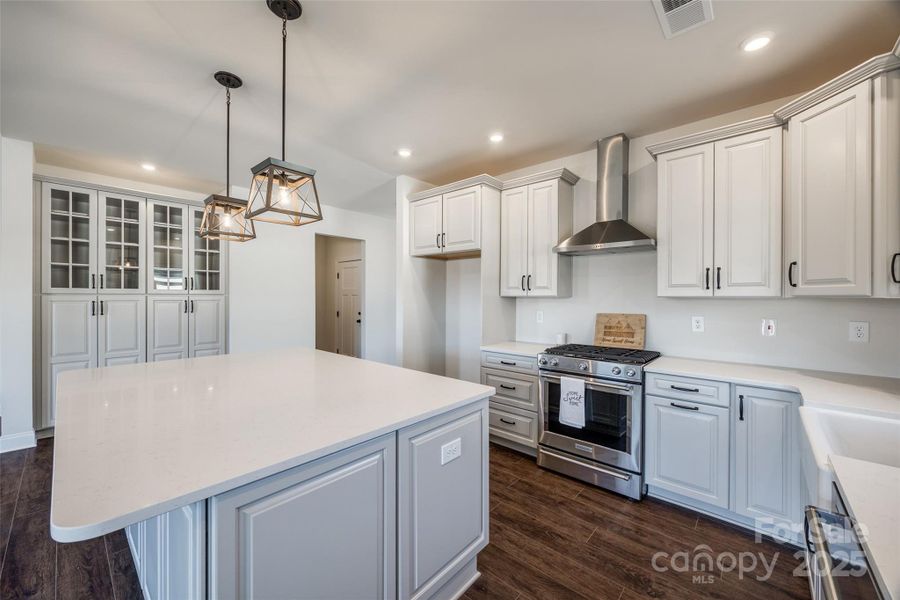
(551, 537)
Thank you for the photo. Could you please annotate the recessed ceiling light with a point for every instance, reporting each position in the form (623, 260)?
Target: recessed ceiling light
(496, 137)
(757, 42)
(148, 167)
(404, 152)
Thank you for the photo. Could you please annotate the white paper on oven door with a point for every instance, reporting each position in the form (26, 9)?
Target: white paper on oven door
(571, 402)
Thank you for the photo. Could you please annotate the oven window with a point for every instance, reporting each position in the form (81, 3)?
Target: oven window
(606, 418)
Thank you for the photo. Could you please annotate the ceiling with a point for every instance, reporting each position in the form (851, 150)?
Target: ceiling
(107, 85)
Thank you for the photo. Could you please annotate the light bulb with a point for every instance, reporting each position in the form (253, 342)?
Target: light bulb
(228, 221)
(285, 194)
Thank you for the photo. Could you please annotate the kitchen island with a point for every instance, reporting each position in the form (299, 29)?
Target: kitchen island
(292, 473)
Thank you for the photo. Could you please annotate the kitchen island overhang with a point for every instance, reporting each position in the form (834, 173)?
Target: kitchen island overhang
(140, 443)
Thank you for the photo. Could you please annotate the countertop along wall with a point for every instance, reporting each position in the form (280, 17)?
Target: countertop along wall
(811, 333)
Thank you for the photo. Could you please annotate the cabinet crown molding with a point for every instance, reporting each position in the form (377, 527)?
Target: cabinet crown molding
(563, 174)
(713, 135)
(483, 179)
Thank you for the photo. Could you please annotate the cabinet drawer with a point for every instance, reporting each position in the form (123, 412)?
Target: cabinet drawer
(509, 362)
(688, 388)
(514, 390)
(513, 424)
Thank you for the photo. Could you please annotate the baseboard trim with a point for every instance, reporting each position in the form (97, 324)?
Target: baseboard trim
(17, 441)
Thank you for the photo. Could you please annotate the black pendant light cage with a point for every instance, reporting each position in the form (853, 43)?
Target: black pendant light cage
(280, 191)
(224, 217)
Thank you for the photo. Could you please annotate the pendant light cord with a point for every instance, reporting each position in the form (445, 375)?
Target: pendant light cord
(283, 80)
(227, 142)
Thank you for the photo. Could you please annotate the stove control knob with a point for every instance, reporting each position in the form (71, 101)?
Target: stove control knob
(631, 372)
(543, 361)
(583, 366)
(616, 370)
(554, 362)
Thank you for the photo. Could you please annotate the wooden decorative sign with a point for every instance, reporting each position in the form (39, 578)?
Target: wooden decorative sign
(620, 330)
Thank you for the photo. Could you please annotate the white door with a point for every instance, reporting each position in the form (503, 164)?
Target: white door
(207, 325)
(348, 332)
(886, 176)
(687, 449)
(425, 226)
(748, 215)
(543, 236)
(167, 233)
(69, 341)
(684, 235)
(767, 462)
(462, 220)
(121, 233)
(167, 327)
(68, 239)
(513, 241)
(207, 258)
(830, 232)
(122, 330)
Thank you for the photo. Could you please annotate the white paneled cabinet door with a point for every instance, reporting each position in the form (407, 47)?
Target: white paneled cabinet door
(687, 449)
(886, 242)
(121, 330)
(207, 326)
(153, 558)
(685, 222)
(167, 232)
(767, 463)
(748, 215)
(462, 220)
(185, 556)
(513, 241)
(207, 260)
(543, 236)
(69, 341)
(68, 239)
(121, 232)
(167, 328)
(425, 226)
(830, 231)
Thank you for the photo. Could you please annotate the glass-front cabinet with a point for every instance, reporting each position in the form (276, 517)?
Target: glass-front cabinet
(69, 246)
(121, 236)
(206, 260)
(167, 247)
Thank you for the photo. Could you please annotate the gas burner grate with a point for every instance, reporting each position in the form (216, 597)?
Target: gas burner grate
(625, 355)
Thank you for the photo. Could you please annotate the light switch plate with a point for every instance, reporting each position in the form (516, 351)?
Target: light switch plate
(768, 327)
(539, 316)
(697, 324)
(859, 331)
(451, 451)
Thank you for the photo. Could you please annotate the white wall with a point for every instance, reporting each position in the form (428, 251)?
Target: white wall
(16, 293)
(811, 333)
(272, 283)
(462, 358)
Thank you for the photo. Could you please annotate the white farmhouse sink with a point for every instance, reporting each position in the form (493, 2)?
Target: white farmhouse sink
(854, 435)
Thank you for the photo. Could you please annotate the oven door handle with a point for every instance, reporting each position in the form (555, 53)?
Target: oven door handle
(594, 383)
(621, 476)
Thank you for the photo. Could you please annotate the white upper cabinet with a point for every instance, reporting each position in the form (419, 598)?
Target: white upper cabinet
(207, 260)
(747, 222)
(69, 240)
(462, 220)
(886, 233)
(425, 226)
(168, 247)
(685, 222)
(534, 218)
(719, 218)
(829, 230)
(121, 240)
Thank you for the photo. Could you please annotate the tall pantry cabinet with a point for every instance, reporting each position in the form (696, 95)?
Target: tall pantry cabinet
(123, 280)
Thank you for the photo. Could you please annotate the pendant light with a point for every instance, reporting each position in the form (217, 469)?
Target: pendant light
(223, 216)
(283, 192)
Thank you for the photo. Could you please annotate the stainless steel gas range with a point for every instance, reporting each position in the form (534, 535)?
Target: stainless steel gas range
(603, 446)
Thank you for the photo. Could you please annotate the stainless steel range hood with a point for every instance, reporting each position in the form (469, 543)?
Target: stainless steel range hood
(611, 233)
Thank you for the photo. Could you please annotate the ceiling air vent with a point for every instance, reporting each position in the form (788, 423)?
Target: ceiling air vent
(679, 16)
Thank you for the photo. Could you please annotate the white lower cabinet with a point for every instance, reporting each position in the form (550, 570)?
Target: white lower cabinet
(687, 449)
(68, 341)
(207, 325)
(514, 408)
(122, 329)
(182, 327)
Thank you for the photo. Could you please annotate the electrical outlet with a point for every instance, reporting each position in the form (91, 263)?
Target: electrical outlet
(451, 451)
(768, 327)
(539, 315)
(859, 331)
(697, 325)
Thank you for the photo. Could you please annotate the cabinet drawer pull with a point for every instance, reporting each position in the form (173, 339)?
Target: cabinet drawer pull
(894, 276)
(528, 285)
(685, 389)
(523, 283)
(93, 307)
(192, 282)
(437, 241)
(101, 308)
(443, 240)
(741, 407)
(507, 363)
(101, 284)
(707, 277)
(676, 405)
(508, 422)
(508, 387)
(718, 278)
(192, 307)
(185, 307)
(93, 281)
(791, 274)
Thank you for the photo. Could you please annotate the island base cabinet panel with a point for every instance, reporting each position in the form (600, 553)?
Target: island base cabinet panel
(687, 449)
(767, 463)
(325, 530)
(442, 501)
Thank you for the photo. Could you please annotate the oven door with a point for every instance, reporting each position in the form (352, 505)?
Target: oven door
(612, 429)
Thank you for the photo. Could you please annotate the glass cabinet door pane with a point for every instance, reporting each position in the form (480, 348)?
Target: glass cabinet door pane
(213, 245)
(199, 261)
(113, 255)
(175, 238)
(212, 261)
(59, 226)
(113, 231)
(175, 259)
(160, 236)
(213, 282)
(114, 208)
(131, 257)
(131, 279)
(175, 216)
(59, 201)
(59, 276)
(59, 251)
(81, 203)
(160, 258)
(160, 279)
(81, 253)
(113, 279)
(131, 210)
(159, 214)
(176, 279)
(131, 233)
(81, 228)
(200, 281)
(80, 277)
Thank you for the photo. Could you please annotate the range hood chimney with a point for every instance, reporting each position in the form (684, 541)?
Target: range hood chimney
(611, 233)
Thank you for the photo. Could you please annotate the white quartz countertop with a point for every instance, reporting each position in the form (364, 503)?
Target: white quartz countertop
(840, 391)
(871, 492)
(136, 441)
(517, 348)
